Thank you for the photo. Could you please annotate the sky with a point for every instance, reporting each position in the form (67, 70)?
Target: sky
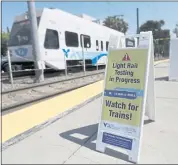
(167, 11)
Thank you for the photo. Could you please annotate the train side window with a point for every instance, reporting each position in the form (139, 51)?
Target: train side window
(97, 45)
(101, 45)
(107, 45)
(87, 41)
(51, 39)
(71, 39)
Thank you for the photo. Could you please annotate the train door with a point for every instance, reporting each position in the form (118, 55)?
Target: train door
(54, 57)
(85, 42)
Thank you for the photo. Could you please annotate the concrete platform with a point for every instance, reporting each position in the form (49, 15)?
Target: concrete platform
(71, 139)
(18, 122)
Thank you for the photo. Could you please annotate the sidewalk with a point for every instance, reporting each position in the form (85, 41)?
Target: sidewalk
(71, 139)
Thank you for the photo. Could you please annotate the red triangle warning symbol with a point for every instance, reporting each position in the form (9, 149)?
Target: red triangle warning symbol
(126, 58)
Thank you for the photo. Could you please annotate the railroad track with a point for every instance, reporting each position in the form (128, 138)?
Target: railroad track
(32, 93)
(48, 73)
(50, 76)
(22, 96)
(31, 75)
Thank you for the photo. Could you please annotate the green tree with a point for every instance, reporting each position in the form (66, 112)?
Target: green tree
(155, 27)
(161, 36)
(116, 23)
(4, 41)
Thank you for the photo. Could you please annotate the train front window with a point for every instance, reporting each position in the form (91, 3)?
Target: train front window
(21, 33)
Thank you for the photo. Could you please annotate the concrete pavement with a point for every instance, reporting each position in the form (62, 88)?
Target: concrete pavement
(71, 139)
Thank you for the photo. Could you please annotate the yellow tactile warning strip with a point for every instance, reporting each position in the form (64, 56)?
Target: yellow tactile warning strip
(20, 121)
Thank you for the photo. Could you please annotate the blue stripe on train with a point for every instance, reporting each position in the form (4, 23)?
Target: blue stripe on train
(95, 59)
(93, 56)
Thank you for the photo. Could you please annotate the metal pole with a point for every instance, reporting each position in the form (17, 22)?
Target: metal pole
(39, 63)
(138, 21)
(10, 69)
(138, 30)
(65, 61)
(97, 63)
(83, 54)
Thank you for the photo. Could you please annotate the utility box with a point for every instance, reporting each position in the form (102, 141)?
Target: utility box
(173, 68)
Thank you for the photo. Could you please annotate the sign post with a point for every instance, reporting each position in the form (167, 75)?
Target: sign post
(173, 67)
(128, 76)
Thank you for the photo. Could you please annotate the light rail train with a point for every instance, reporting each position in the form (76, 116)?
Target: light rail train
(64, 39)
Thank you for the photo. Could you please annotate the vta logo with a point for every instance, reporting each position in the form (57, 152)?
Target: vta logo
(107, 125)
(66, 52)
(126, 57)
(21, 51)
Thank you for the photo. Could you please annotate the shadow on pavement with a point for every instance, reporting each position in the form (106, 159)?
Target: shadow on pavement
(90, 132)
(148, 121)
(166, 78)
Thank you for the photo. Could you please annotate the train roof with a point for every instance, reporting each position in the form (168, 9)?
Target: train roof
(83, 17)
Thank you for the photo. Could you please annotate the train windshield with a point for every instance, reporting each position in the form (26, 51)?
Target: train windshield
(21, 33)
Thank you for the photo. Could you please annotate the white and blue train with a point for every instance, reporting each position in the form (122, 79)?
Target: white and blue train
(60, 36)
